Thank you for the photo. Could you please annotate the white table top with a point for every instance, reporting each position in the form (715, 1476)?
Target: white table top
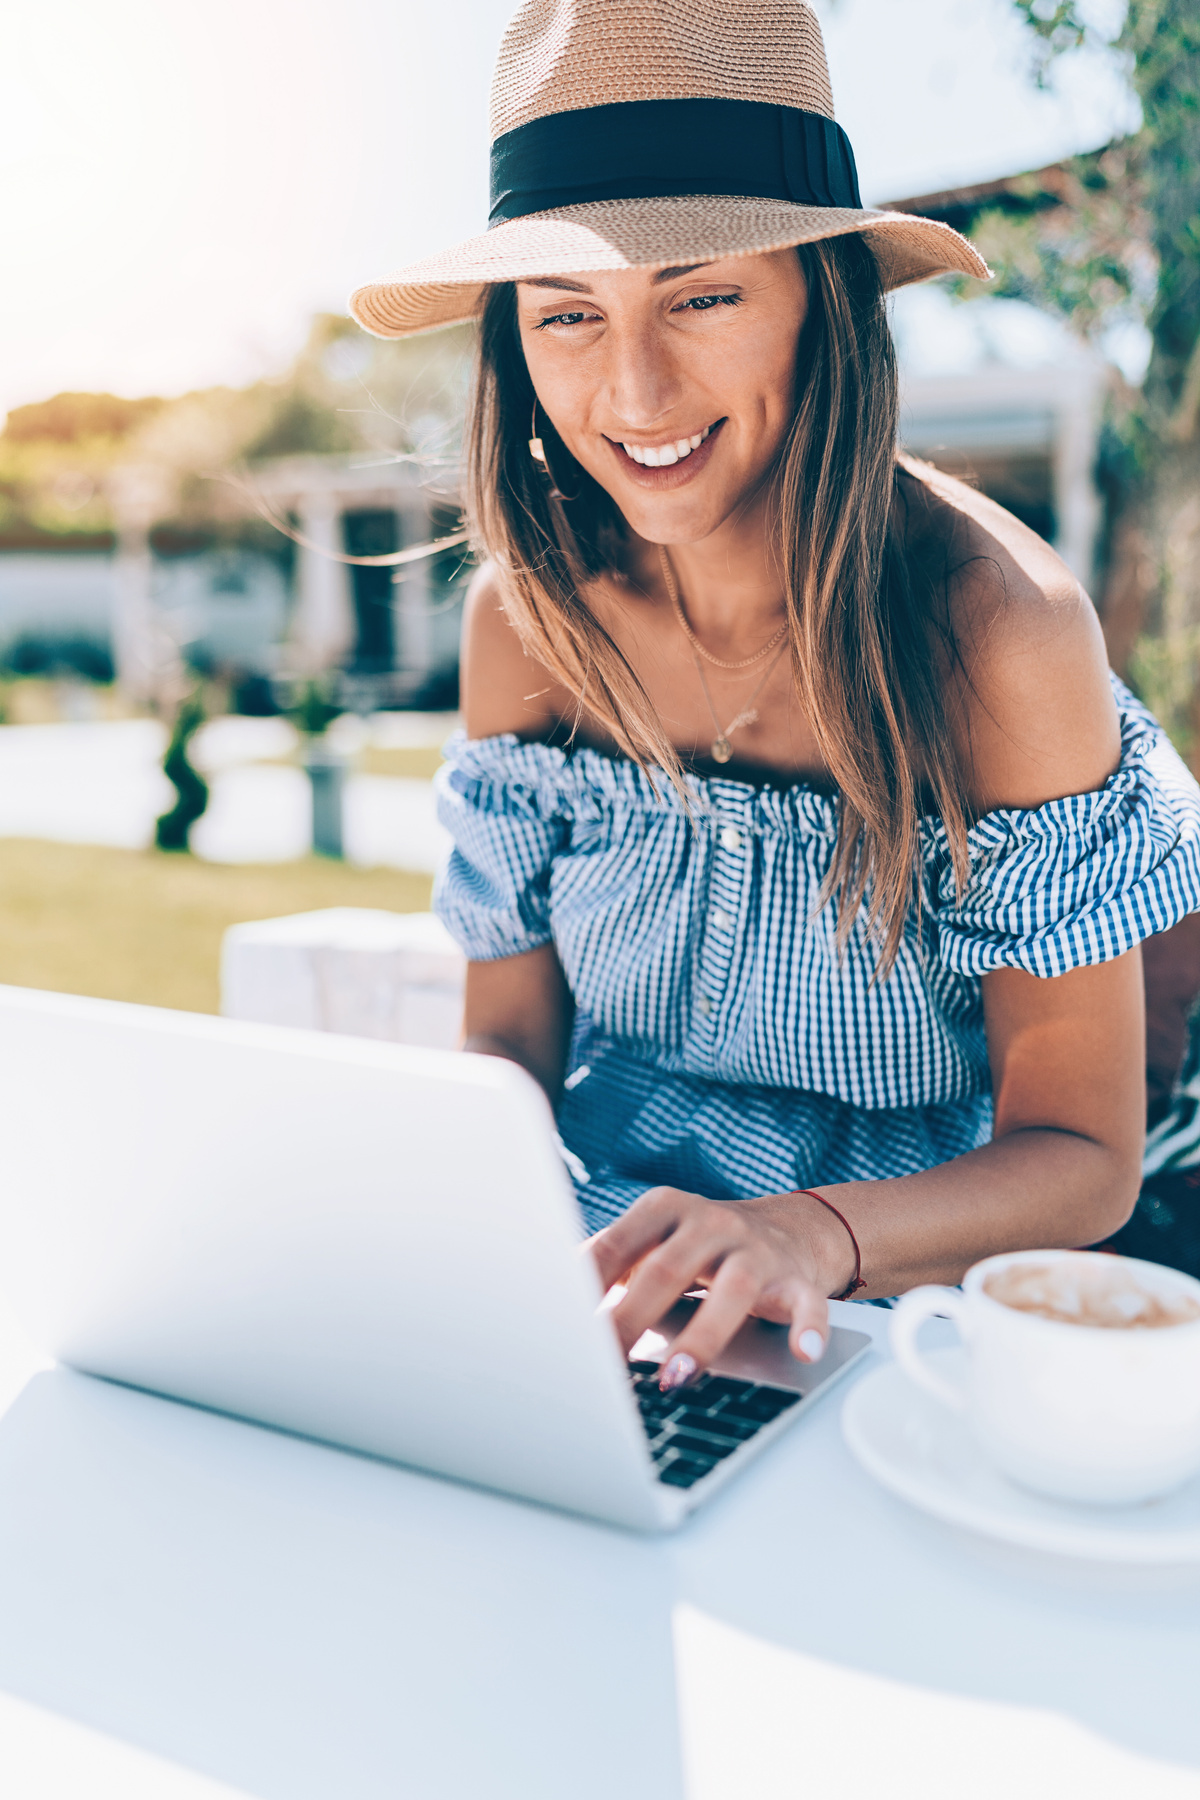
(192, 1608)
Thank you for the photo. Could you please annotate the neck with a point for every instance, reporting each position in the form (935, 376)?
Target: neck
(730, 584)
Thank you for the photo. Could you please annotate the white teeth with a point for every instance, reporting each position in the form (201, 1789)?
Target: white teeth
(661, 456)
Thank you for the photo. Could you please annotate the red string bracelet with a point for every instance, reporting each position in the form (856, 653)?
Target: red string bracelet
(856, 1280)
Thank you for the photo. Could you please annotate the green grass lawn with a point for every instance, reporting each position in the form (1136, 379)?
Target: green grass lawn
(139, 925)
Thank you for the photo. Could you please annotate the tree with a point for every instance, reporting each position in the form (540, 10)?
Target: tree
(1120, 238)
(345, 393)
(173, 828)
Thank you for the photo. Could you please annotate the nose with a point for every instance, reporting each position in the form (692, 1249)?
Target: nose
(644, 385)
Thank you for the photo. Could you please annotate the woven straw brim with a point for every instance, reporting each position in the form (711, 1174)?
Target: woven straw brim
(645, 234)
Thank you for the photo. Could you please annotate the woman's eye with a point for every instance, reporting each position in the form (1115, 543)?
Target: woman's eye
(564, 318)
(705, 302)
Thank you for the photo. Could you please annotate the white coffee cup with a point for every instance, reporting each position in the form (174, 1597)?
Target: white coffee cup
(1082, 1412)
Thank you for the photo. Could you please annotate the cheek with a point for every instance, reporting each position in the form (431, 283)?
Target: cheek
(556, 380)
(777, 363)
(751, 377)
(773, 402)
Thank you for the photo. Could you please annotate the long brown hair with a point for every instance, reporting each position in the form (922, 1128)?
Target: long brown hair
(870, 632)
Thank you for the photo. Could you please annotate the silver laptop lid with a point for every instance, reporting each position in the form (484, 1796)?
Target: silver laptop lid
(366, 1243)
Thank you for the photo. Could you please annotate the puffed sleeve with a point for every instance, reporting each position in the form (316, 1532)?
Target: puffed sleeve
(500, 800)
(1079, 880)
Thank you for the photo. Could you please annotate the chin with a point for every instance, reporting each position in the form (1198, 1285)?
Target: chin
(684, 517)
(663, 523)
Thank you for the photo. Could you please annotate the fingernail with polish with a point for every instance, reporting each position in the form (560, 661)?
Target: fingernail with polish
(679, 1369)
(811, 1346)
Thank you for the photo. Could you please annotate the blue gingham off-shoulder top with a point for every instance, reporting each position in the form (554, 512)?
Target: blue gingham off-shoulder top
(721, 1044)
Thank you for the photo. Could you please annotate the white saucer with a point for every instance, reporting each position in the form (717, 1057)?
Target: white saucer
(926, 1454)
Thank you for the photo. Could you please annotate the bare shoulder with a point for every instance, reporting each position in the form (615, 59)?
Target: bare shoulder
(503, 688)
(1033, 712)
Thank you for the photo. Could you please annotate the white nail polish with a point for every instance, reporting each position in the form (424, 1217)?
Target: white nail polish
(677, 1371)
(812, 1345)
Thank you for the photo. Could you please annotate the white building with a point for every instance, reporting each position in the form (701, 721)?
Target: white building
(244, 611)
(1003, 394)
(64, 596)
(393, 627)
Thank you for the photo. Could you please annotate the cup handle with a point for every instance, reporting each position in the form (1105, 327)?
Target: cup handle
(907, 1318)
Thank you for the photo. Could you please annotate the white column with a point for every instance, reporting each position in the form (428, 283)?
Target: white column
(322, 630)
(131, 622)
(413, 597)
(1076, 502)
(149, 667)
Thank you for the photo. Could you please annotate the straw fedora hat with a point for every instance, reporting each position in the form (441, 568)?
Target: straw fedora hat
(646, 133)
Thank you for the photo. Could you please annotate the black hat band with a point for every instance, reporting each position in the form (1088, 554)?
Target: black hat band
(650, 149)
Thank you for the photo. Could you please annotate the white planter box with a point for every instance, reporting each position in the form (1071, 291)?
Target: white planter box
(351, 969)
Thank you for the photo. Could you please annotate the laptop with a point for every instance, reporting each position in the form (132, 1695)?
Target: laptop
(363, 1243)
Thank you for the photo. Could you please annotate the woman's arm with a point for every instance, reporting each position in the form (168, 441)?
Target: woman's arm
(1035, 721)
(1064, 1165)
(1062, 1170)
(520, 1007)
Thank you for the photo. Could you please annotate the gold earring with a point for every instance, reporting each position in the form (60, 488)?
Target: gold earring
(538, 452)
(535, 442)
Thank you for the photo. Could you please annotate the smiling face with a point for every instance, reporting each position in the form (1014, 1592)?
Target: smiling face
(674, 388)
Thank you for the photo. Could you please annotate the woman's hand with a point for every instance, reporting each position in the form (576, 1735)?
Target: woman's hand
(774, 1258)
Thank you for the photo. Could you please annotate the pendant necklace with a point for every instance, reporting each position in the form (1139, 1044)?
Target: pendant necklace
(721, 749)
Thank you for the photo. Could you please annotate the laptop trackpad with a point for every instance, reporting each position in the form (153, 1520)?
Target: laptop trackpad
(759, 1351)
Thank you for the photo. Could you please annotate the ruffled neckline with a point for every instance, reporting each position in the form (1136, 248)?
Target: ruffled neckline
(584, 781)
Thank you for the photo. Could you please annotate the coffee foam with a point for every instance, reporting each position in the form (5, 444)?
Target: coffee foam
(1082, 1290)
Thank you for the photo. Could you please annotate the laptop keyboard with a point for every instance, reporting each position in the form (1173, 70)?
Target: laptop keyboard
(696, 1427)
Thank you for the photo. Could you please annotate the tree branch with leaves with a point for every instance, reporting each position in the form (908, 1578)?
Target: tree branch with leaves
(1106, 241)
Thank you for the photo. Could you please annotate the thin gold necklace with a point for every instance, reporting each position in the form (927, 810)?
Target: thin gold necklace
(721, 748)
(747, 662)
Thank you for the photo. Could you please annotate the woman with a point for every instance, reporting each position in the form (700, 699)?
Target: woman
(803, 842)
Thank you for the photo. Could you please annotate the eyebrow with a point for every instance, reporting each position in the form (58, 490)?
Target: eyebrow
(561, 285)
(684, 269)
(554, 281)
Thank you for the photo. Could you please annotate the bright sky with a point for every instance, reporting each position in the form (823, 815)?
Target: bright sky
(184, 185)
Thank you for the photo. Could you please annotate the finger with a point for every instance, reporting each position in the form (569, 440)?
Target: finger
(731, 1298)
(698, 1243)
(621, 1246)
(808, 1332)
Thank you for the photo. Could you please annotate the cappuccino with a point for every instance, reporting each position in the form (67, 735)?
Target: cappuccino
(1089, 1290)
(1107, 1416)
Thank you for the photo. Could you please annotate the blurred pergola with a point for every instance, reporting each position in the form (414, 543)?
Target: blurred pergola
(385, 628)
(324, 496)
(1027, 435)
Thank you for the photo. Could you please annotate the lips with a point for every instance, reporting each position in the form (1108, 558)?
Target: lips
(661, 456)
(675, 462)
